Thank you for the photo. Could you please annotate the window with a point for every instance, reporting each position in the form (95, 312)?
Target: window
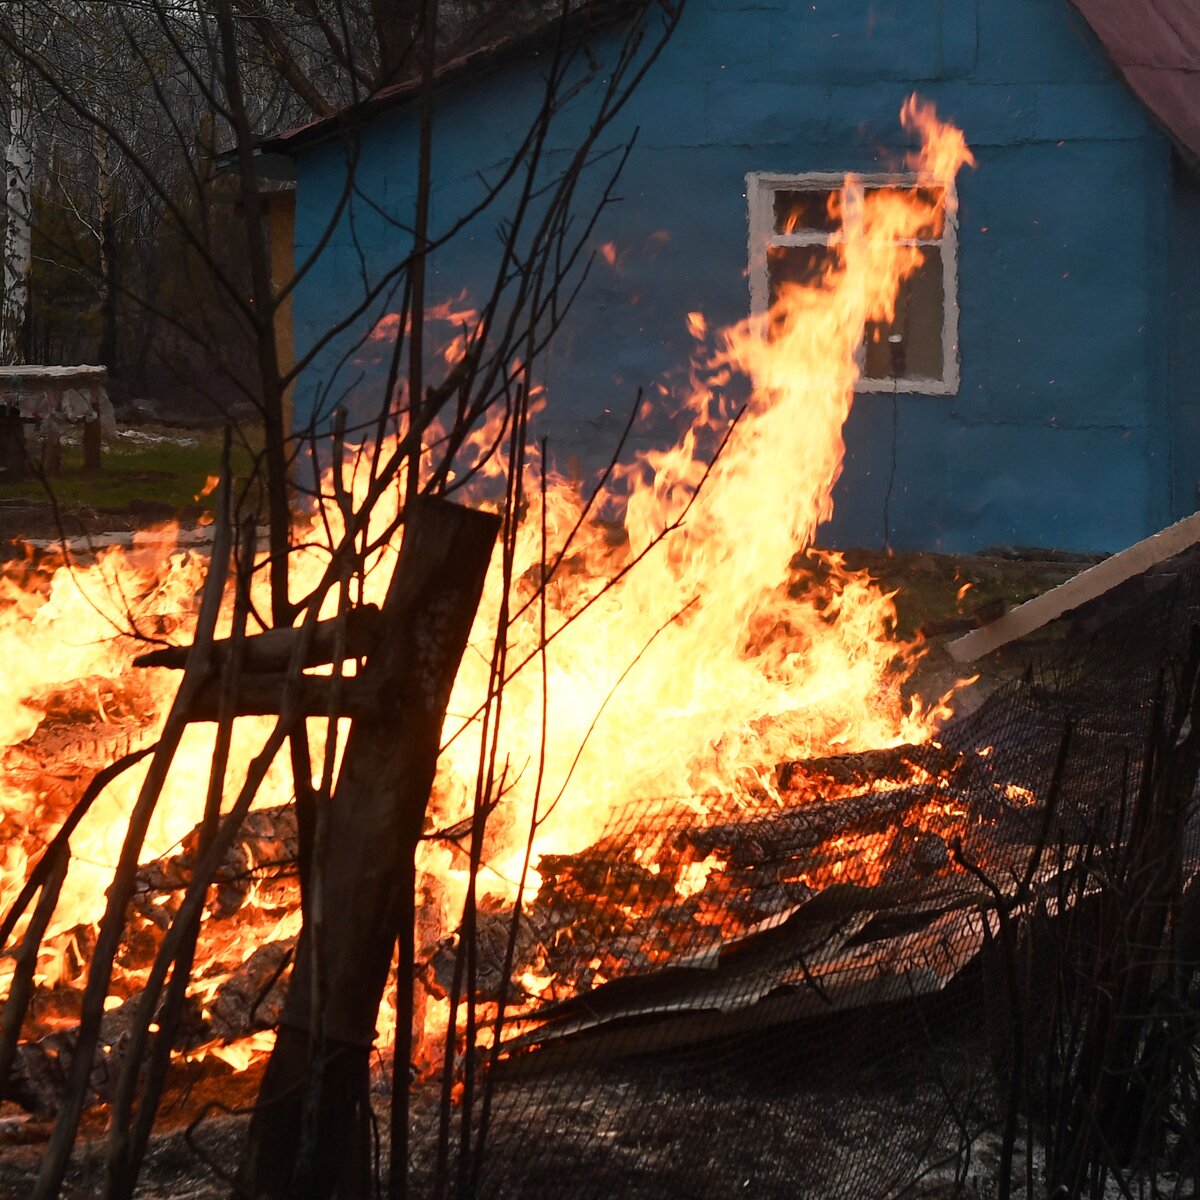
(795, 227)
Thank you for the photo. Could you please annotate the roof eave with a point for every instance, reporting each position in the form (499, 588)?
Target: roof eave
(575, 27)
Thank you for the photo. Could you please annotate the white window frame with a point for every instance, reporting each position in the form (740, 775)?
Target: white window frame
(761, 187)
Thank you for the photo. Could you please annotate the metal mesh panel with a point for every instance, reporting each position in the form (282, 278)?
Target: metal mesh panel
(820, 1016)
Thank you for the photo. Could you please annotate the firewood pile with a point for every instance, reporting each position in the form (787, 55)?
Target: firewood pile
(600, 914)
(244, 988)
(842, 886)
(820, 904)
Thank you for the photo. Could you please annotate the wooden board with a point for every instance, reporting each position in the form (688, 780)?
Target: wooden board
(1085, 586)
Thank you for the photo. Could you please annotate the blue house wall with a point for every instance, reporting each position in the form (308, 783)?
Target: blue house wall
(1074, 424)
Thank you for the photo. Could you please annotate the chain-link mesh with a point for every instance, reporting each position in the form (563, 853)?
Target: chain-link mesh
(819, 1008)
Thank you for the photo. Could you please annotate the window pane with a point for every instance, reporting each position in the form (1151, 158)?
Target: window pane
(911, 346)
(798, 264)
(819, 210)
(930, 197)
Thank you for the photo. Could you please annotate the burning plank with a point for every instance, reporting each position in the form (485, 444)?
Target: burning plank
(332, 640)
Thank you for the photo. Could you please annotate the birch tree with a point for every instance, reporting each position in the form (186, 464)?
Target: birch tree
(18, 205)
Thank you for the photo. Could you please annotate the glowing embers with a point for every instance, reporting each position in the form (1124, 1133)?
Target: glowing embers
(676, 887)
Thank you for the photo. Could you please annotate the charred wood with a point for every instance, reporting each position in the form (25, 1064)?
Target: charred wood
(42, 1069)
(95, 699)
(316, 696)
(272, 651)
(491, 940)
(252, 997)
(92, 722)
(782, 836)
(865, 767)
(266, 850)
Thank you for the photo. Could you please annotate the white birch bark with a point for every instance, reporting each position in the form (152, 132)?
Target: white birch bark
(104, 233)
(18, 233)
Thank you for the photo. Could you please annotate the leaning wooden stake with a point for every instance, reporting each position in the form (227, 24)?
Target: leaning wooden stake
(310, 1132)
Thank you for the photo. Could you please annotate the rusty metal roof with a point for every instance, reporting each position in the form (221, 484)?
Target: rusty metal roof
(1155, 44)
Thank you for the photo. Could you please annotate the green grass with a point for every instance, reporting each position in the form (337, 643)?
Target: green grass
(933, 587)
(162, 472)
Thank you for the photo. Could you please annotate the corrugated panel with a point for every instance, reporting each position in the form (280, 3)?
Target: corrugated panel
(1156, 46)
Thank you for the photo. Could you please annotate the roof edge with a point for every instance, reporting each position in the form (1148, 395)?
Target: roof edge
(575, 27)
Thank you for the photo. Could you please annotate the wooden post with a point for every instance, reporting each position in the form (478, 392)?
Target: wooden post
(310, 1132)
(91, 443)
(13, 458)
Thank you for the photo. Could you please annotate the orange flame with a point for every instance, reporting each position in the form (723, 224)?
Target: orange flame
(694, 675)
(210, 486)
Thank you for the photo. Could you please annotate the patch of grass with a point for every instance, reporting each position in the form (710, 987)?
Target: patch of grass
(158, 466)
(932, 588)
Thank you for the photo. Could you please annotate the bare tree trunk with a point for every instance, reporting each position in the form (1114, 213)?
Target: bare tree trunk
(18, 235)
(392, 25)
(107, 277)
(310, 1133)
(258, 253)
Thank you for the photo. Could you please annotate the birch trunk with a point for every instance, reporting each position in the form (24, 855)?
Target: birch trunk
(107, 279)
(18, 234)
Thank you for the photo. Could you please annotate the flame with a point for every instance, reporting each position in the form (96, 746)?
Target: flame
(1021, 796)
(210, 486)
(944, 148)
(695, 875)
(711, 657)
(717, 656)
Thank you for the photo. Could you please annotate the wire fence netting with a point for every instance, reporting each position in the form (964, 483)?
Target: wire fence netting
(812, 991)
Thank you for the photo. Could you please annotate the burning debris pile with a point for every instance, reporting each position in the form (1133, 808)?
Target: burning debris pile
(845, 898)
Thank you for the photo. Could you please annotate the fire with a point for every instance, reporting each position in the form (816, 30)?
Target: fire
(1021, 796)
(711, 657)
(210, 486)
(695, 875)
(61, 639)
(711, 660)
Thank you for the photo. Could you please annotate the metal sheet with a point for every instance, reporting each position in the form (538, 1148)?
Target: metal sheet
(1155, 44)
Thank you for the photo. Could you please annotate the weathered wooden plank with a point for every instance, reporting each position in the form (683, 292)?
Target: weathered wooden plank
(272, 650)
(314, 695)
(1085, 586)
(363, 869)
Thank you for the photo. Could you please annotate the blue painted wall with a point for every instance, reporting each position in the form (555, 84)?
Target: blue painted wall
(1075, 424)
